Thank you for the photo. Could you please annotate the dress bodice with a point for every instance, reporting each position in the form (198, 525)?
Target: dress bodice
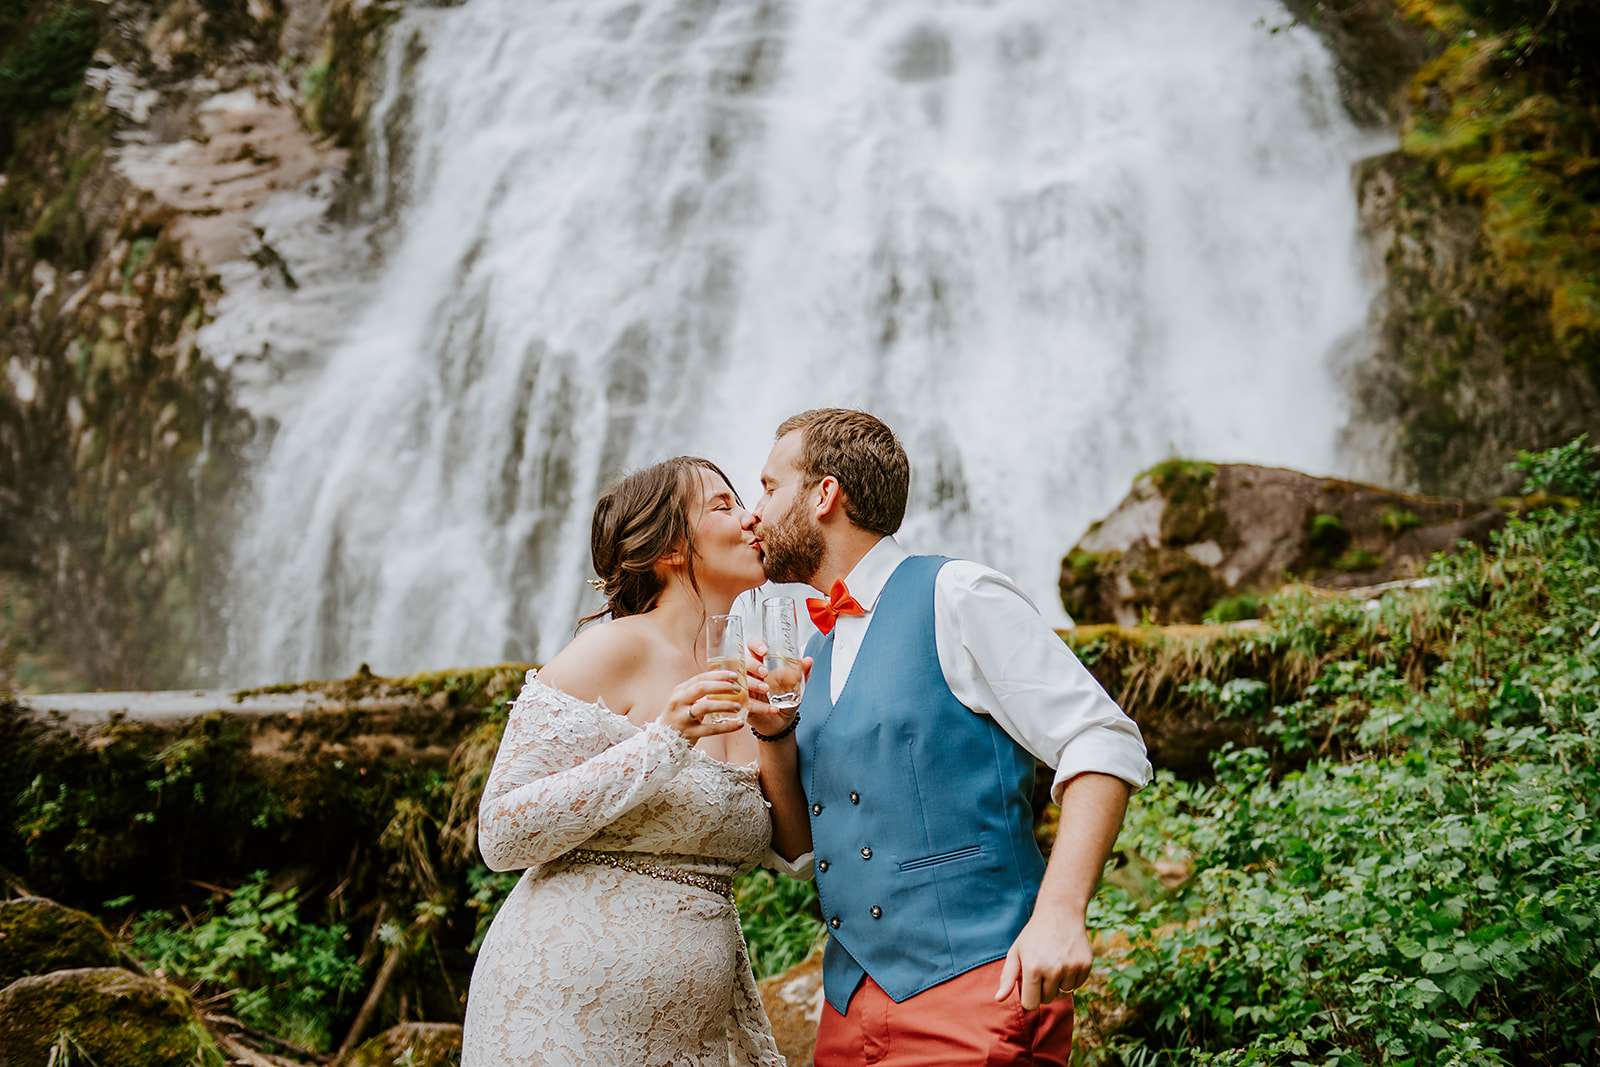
(573, 774)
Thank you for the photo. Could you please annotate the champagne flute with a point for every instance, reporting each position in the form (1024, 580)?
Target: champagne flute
(786, 677)
(725, 652)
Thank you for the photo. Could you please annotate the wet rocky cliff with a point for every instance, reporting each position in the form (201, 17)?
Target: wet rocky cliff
(1486, 227)
(142, 137)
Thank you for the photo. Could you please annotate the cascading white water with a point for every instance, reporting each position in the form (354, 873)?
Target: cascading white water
(1050, 242)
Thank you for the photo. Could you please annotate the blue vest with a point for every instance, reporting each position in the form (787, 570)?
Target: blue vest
(920, 819)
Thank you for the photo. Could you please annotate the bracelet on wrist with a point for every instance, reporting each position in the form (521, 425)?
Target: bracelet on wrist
(781, 734)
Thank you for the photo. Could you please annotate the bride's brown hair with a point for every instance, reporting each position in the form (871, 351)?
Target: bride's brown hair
(637, 522)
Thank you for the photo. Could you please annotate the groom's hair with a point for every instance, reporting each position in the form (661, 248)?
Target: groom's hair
(864, 456)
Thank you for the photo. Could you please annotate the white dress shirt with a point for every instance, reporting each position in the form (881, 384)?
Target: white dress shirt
(1000, 658)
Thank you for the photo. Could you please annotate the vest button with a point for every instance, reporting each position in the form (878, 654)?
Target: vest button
(822, 865)
(866, 853)
(855, 798)
(834, 922)
(877, 912)
(816, 809)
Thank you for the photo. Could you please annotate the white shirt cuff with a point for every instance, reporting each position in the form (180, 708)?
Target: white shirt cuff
(1120, 760)
(799, 868)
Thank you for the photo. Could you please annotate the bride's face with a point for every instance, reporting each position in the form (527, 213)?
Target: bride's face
(724, 539)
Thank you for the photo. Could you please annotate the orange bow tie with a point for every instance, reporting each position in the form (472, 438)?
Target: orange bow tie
(826, 612)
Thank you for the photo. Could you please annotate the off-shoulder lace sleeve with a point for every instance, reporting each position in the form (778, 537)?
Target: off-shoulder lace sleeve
(557, 780)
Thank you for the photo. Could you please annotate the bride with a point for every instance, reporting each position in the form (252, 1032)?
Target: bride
(630, 812)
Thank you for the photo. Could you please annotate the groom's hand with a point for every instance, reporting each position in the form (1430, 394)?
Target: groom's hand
(762, 715)
(1050, 958)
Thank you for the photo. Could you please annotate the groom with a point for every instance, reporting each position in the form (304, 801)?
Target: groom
(935, 685)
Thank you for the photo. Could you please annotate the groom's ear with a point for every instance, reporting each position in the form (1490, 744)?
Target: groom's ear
(828, 497)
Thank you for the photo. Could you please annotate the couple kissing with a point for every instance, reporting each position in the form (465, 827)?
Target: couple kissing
(901, 783)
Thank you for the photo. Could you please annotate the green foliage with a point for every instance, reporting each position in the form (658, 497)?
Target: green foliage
(315, 89)
(44, 68)
(489, 890)
(1397, 521)
(1173, 473)
(1235, 608)
(1573, 469)
(1562, 37)
(782, 920)
(1407, 869)
(287, 976)
(1357, 559)
(1328, 535)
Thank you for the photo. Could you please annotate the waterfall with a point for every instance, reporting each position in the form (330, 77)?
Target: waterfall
(1051, 243)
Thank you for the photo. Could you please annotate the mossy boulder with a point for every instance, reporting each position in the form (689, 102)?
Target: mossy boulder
(38, 936)
(102, 1015)
(1193, 540)
(411, 1045)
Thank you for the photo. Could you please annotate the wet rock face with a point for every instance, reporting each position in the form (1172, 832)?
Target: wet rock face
(411, 1044)
(103, 1015)
(126, 214)
(1468, 370)
(1192, 538)
(38, 936)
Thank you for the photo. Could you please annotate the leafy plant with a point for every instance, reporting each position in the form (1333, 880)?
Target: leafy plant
(285, 975)
(1573, 469)
(1418, 885)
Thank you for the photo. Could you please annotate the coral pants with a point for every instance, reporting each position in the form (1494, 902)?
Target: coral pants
(955, 1023)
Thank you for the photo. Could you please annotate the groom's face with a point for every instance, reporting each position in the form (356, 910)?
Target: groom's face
(792, 545)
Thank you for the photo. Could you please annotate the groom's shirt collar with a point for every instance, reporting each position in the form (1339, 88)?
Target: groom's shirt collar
(871, 572)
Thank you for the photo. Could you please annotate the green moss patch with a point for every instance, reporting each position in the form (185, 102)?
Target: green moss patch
(100, 1015)
(38, 936)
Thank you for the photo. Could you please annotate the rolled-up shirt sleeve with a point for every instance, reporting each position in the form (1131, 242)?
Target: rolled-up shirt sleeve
(1000, 658)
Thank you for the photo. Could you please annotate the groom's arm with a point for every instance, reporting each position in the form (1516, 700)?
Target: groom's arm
(1052, 955)
(780, 783)
(1000, 658)
(778, 763)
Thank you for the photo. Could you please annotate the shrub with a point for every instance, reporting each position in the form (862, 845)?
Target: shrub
(1405, 872)
(286, 976)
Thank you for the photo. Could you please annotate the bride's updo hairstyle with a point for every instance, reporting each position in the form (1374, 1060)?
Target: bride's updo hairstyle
(641, 519)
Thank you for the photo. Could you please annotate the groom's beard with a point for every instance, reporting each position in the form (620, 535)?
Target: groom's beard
(792, 547)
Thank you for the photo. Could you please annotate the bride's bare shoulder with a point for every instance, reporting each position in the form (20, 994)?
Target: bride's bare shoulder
(602, 661)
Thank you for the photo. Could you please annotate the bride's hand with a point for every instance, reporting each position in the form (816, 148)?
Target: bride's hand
(702, 695)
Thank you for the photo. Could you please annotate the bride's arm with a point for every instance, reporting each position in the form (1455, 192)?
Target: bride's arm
(555, 783)
(539, 804)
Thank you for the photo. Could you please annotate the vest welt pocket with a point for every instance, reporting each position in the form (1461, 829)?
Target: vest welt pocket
(941, 857)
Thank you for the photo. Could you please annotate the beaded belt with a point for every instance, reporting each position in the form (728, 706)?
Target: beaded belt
(721, 886)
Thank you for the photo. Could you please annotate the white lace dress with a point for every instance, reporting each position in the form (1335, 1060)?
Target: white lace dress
(591, 965)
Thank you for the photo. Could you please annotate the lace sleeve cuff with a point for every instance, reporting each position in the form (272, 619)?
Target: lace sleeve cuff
(678, 746)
